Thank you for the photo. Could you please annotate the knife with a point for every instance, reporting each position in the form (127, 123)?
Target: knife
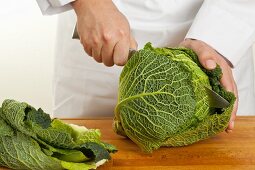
(75, 33)
(215, 100)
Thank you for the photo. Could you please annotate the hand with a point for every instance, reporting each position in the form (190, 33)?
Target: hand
(104, 31)
(208, 57)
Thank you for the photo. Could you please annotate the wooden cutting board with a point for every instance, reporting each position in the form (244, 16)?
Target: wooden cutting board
(224, 151)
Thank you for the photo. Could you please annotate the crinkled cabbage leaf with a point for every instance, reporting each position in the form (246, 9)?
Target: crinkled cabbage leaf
(162, 100)
(30, 139)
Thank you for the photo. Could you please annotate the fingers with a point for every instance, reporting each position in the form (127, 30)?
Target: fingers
(107, 51)
(96, 53)
(232, 118)
(233, 114)
(207, 60)
(227, 79)
(93, 48)
(133, 43)
(110, 52)
(87, 49)
(228, 83)
(121, 50)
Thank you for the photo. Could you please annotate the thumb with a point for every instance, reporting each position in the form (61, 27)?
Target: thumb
(209, 64)
(205, 56)
(206, 59)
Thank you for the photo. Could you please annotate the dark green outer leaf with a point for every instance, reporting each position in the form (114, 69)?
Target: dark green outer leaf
(95, 150)
(22, 152)
(14, 114)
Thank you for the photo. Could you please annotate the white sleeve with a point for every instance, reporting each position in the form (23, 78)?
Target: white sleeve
(226, 25)
(50, 7)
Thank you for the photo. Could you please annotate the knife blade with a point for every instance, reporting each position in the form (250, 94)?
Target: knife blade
(215, 100)
(75, 33)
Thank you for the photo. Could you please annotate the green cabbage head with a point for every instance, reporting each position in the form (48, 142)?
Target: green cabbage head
(162, 100)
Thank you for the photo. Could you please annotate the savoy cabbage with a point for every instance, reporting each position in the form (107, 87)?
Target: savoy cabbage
(162, 100)
(30, 139)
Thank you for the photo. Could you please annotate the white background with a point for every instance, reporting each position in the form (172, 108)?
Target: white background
(27, 42)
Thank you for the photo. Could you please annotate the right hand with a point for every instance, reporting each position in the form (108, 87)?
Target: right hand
(104, 31)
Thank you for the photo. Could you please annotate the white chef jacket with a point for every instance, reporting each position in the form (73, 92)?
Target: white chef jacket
(84, 88)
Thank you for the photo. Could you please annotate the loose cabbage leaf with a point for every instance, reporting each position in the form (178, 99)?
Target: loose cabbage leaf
(162, 100)
(18, 151)
(30, 139)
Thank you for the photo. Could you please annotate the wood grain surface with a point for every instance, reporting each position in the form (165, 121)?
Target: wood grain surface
(224, 151)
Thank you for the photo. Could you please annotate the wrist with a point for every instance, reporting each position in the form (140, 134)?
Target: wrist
(80, 6)
(77, 4)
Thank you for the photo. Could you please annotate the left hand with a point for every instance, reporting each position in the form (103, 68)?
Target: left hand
(208, 57)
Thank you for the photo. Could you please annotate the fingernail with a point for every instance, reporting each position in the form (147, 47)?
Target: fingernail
(229, 131)
(232, 124)
(231, 127)
(210, 64)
